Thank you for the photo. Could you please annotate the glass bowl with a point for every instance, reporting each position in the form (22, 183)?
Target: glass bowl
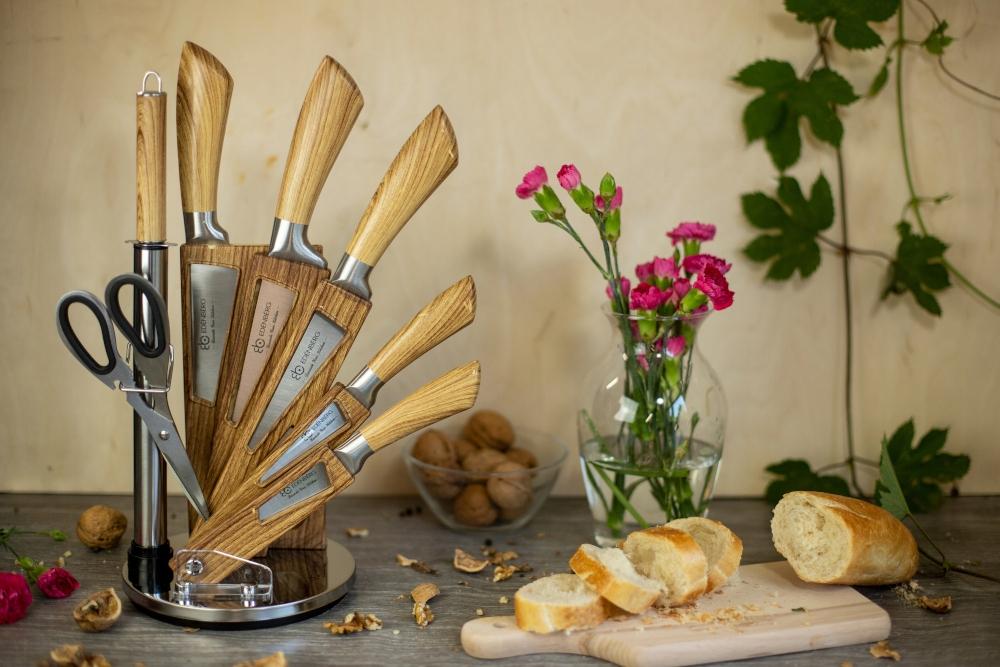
(439, 486)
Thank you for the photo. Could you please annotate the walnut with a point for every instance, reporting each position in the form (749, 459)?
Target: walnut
(511, 490)
(488, 428)
(101, 527)
(424, 592)
(473, 506)
(99, 611)
(433, 447)
(941, 605)
(441, 484)
(355, 622)
(883, 650)
(522, 456)
(74, 655)
(466, 562)
(422, 614)
(483, 461)
(503, 572)
(463, 448)
(514, 513)
(274, 660)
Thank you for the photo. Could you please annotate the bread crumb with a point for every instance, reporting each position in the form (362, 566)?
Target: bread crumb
(191, 629)
(884, 650)
(273, 660)
(480, 612)
(941, 605)
(355, 622)
(395, 632)
(357, 532)
(847, 663)
(504, 599)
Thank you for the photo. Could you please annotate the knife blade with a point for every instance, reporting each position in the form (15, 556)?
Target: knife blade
(255, 516)
(210, 266)
(319, 338)
(343, 408)
(292, 267)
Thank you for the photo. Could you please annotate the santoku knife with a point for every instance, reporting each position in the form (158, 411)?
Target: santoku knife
(256, 515)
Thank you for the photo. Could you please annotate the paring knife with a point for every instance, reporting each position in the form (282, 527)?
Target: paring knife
(211, 267)
(275, 282)
(255, 516)
(320, 335)
(342, 409)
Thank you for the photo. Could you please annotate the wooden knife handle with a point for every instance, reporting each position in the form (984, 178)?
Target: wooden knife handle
(204, 90)
(449, 394)
(332, 104)
(150, 165)
(423, 162)
(450, 312)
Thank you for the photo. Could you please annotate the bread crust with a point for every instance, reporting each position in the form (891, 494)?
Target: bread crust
(546, 617)
(880, 549)
(616, 590)
(691, 559)
(728, 562)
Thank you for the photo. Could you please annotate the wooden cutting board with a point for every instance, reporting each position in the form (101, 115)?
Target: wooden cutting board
(751, 616)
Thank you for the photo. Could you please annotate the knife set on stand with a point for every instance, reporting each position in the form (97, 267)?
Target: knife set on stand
(271, 435)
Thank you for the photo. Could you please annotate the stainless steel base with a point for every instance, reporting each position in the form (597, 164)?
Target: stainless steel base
(306, 583)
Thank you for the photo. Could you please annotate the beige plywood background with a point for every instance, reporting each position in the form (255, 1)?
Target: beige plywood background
(638, 88)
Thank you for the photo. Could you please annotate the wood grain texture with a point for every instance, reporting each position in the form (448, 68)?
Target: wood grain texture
(331, 106)
(424, 161)
(150, 167)
(204, 91)
(966, 636)
(199, 414)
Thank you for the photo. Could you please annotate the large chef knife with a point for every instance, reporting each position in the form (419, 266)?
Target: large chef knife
(276, 282)
(256, 515)
(320, 335)
(211, 267)
(342, 409)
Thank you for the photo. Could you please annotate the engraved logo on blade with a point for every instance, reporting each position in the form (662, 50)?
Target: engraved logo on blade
(213, 292)
(305, 487)
(317, 344)
(324, 426)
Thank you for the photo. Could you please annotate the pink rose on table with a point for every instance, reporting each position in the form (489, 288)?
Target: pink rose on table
(626, 287)
(15, 597)
(615, 203)
(57, 583)
(716, 287)
(569, 177)
(695, 263)
(648, 297)
(676, 345)
(531, 182)
(691, 231)
(665, 268)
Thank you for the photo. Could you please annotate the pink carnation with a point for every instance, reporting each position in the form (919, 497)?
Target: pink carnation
(716, 287)
(665, 268)
(644, 271)
(531, 182)
(57, 583)
(695, 263)
(643, 362)
(695, 231)
(681, 287)
(676, 345)
(616, 201)
(648, 297)
(626, 287)
(15, 597)
(569, 177)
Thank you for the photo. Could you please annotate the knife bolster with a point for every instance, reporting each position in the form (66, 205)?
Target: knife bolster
(290, 240)
(203, 228)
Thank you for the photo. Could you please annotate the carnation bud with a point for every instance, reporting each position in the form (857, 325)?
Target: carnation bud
(613, 225)
(608, 187)
(549, 201)
(584, 198)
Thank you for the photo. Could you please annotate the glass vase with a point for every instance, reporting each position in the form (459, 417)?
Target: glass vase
(651, 440)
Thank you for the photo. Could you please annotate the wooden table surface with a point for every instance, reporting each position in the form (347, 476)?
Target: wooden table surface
(968, 528)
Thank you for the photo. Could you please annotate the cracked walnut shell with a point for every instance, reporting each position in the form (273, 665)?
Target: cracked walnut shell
(101, 527)
(99, 611)
(489, 428)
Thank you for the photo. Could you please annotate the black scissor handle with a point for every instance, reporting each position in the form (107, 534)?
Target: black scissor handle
(133, 330)
(72, 341)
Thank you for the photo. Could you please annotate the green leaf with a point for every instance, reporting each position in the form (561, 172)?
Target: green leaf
(763, 115)
(854, 33)
(878, 83)
(763, 248)
(809, 11)
(888, 493)
(796, 475)
(918, 268)
(764, 212)
(57, 535)
(784, 144)
(919, 471)
(771, 75)
(851, 16)
(937, 40)
(540, 216)
(830, 86)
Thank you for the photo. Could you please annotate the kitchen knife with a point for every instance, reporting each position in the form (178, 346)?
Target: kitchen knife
(319, 337)
(210, 266)
(276, 282)
(342, 409)
(256, 515)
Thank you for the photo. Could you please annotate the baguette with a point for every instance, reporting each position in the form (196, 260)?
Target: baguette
(672, 558)
(830, 539)
(722, 548)
(558, 602)
(613, 577)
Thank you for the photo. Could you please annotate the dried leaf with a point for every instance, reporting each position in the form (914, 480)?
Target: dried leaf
(418, 565)
(941, 605)
(503, 572)
(273, 660)
(357, 532)
(355, 622)
(424, 592)
(422, 614)
(466, 562)
(883, 650)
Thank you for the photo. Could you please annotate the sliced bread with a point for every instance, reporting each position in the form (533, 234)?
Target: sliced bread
(558, 602)
(722, 549)
(831, 539)
(612, 575)
(672, 558)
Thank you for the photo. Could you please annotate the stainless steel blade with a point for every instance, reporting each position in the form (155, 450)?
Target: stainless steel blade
(316, 345)
(305, 487)
(274, 302)
(325, 425)
(213, 292)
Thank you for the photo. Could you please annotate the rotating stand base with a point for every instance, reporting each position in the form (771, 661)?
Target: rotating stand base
(306, 582)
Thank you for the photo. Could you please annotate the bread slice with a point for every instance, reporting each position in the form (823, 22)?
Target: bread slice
(830, 539)
(558, 602)
(672, 558)
(722, 548)
(612, 575)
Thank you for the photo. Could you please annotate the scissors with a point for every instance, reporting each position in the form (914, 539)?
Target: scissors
(145, 390)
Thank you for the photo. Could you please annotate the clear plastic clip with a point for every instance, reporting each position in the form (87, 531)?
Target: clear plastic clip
(251, 584)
